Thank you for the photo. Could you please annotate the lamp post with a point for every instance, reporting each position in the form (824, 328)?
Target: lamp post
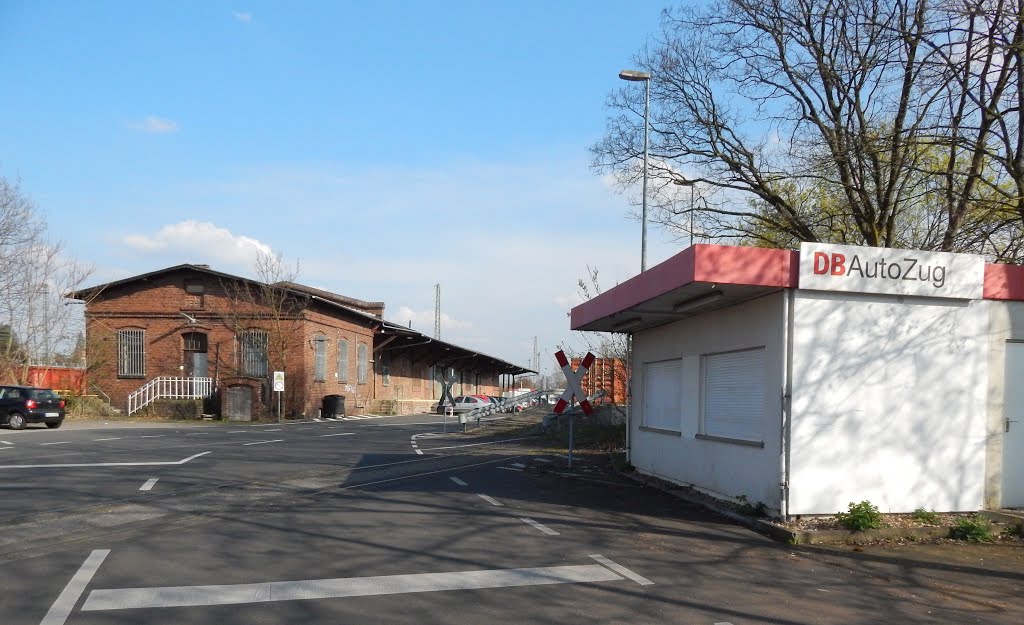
(683, 182)
(633, 75)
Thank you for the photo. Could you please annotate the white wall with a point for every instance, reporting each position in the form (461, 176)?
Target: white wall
(724, 468)
(1006, 321)
(889, 403)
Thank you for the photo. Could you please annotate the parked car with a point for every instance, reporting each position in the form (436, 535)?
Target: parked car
(464, 403)
(26, 404)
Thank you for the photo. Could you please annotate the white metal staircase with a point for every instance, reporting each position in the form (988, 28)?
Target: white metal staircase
(169, 387)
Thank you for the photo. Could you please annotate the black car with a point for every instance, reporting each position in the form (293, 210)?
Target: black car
(26, 404)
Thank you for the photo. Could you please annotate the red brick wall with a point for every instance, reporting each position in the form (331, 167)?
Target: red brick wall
(155, 305)
(607, 373)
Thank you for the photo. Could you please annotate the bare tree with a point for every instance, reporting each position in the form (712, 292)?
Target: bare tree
(266, 316)
(889, 123)
(35, 274)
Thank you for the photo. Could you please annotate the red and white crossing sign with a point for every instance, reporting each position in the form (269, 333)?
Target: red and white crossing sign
(572, 382)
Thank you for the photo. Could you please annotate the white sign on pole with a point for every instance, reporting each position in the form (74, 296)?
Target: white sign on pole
(848, 268)
(279, 381)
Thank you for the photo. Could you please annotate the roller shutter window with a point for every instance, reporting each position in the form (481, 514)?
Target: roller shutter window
(733, 394)
(663, 395)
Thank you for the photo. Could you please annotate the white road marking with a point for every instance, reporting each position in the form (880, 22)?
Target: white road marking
(544, 528)
(236, 431)
(489, 499)
(152, 436)
(542, 459)
(338, 434)
(104, 464)
(7, 442)
(506, 440)
(510, 469)
(274, 430)
(277, 440)
(197, 434)
(409, 477)
(189, 596)
(61, 608)
(724, 623)
(519, 465)
(621, 570)
(149, 484)
(57, 443)
(458, 481)
(96, 440)
(419, 452)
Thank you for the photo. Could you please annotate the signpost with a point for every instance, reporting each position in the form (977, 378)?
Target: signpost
(279, 389)
(573, 390)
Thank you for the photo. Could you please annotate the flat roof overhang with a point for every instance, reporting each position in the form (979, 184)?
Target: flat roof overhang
(699, 279)
(704, 278)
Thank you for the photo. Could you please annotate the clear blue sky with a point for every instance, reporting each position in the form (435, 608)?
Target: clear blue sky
(385, 146)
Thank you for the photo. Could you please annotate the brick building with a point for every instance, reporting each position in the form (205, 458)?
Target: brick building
(190, 331)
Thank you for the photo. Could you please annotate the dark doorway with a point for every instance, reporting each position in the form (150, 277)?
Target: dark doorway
(238, 405)
(196, 363)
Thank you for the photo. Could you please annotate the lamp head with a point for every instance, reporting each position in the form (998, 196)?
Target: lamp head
(634, 75)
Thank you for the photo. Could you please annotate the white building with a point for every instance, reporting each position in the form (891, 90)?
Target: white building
(808, 380)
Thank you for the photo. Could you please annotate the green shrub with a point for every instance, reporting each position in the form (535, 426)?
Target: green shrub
(975, 529)
(860, 516)
(757, 509)
(924, 516)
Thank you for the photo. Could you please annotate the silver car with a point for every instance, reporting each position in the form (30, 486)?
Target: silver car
(464, 403)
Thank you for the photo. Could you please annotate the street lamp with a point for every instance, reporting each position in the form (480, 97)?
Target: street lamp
(633, 75)
(683, 182)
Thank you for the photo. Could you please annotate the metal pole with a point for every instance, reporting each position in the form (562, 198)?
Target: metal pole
(691, 215)
(643, 213)
(572, 405)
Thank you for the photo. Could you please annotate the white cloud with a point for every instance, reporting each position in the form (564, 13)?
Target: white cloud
(198, 242)
(243, 17)
(423, 321)
(155, 125)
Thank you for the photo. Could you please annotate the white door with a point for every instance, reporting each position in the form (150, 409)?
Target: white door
(1013, 427)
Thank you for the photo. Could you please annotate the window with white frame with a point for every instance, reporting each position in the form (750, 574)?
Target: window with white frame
(319, 358)
(663, 395)
(362, 364)
(131, 353)
(732, 394)
(252, 353)
(342, 360)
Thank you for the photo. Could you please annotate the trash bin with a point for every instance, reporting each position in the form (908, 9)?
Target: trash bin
(333, 406)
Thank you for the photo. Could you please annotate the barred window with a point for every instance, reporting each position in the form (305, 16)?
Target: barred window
(131, 353)
(385, 375)
(361, 365)
(342, 360)
(319, 358)
(253, 353)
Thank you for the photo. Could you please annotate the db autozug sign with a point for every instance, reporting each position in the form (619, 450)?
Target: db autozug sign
(825, 267)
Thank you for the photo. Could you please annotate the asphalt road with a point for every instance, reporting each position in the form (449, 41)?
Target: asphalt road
(389, 521)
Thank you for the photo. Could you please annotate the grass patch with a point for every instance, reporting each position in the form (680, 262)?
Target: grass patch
(974, 529)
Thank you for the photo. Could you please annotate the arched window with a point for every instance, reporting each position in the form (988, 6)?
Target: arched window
(252, 353)
(319, 358)
(342, 361)
(362, 364)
